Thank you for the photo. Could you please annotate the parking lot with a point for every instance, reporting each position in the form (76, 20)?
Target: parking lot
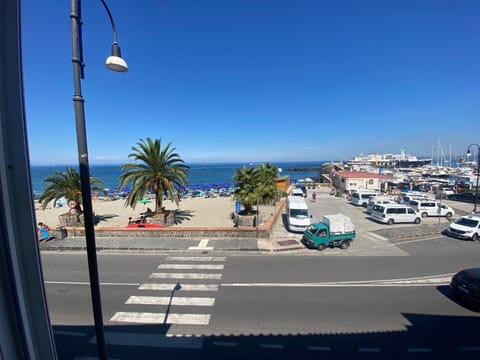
(374, 238)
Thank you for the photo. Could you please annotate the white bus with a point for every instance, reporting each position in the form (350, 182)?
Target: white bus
(298, 217)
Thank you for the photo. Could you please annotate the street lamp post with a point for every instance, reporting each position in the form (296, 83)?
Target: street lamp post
(115, 63)
(478, 174)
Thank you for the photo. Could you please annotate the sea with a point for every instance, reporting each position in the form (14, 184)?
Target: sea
(200, 174)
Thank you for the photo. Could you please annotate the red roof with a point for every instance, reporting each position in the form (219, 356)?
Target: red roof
(362, 175)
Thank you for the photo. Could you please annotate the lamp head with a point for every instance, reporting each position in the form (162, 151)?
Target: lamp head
(115, 61)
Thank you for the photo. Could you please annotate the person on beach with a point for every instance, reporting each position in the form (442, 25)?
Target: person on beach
(44, 231)
(314, 196)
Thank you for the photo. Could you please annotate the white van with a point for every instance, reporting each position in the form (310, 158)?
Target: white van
(406, 196)
(395, 213)
(298, 217)
(431, 208)
(465, 227)
(297, 192)
(378, 200)
(361, 197)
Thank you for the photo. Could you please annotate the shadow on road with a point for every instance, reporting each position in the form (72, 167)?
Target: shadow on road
(448, 292)
(428, 336)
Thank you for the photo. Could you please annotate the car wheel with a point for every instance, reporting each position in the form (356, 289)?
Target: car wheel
(417, 221)
(321, 247)
(475, 237)
(449, 215)
(424, 215)
(344, 245)
(390, 221)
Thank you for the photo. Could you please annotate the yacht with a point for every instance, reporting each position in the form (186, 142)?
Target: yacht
(402, 160)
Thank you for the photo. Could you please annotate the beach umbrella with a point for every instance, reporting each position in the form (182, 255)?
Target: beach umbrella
(145, 201)
(308, 180)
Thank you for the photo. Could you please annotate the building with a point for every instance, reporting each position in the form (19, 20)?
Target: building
(348, 181)
(283, 183)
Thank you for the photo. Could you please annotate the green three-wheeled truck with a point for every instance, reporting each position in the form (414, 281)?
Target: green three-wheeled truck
(333, 231)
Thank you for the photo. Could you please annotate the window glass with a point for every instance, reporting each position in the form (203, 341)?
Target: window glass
(467, 222)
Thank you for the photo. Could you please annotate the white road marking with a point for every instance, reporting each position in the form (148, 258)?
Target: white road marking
(416, 281)
(191, 266)
(376, 240)
(185, 276)
(419, 350)
(376, 350)
(151, 340)
(319, 348)
(407, 242)
(83, 283)
(271, 346)
(377, 236)
(68, 333)
(224, 343)
(167, 300)
(434, 280)
(183, 287)
(161, 318)
(469, 348)
(196, 258)
(201, 246)
(89, 358)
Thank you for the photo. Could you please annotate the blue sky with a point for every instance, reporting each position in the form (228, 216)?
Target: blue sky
(257, 80)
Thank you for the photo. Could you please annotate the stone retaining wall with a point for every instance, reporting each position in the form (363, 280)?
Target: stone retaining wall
(185, 232)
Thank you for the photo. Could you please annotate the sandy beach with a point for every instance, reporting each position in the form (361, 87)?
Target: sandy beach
(199, 212)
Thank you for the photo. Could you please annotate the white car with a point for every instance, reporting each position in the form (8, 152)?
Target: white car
(465, 227)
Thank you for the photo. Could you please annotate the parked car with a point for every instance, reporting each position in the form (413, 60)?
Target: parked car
(303, 188)
(464, 197)
(465, 227)
(297, 192)
(466, 284)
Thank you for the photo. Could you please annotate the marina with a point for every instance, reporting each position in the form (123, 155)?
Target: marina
(402, 160)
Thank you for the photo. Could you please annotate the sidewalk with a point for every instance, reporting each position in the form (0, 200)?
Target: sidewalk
(156, 244)
(279, 242)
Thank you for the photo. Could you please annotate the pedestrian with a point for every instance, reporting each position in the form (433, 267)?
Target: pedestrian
(314, 196)
(44, 231)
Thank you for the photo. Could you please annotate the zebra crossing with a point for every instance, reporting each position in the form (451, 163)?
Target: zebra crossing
(166, 294)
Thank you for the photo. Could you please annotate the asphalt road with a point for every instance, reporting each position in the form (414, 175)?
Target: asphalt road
(264, 306)
(384, 298)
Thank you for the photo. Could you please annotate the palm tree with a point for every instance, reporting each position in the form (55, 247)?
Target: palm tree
(267, 188)
(247, 179)
(66, 184)
(155, 169)
(255, 184)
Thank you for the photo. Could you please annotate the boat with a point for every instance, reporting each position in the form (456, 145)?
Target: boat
(402, 160)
